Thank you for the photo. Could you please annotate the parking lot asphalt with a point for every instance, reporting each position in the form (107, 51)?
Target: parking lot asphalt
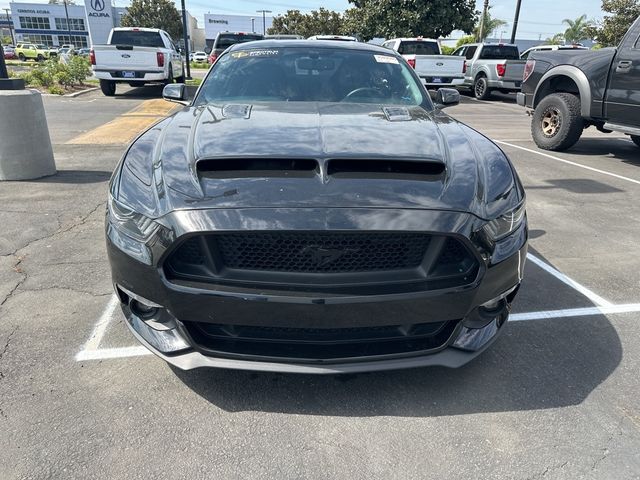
(557, 396)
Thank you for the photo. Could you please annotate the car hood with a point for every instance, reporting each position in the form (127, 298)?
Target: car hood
(466, 172)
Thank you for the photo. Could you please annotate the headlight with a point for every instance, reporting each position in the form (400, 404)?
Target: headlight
(505, 224)
(133, 224)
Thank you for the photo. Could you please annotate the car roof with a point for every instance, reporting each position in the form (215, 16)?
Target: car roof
(315, 44)
(413, 39)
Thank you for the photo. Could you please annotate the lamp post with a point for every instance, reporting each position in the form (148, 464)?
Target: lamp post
(515, 22)
(185, 37)
(264, 20)
(253, 25)
(66, 13)
(13, 38)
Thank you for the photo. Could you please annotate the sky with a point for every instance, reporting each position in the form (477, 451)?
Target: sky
(538, 18)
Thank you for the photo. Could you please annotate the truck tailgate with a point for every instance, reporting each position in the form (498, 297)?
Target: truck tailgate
(125, 57)
(438, 65)
(514, 70)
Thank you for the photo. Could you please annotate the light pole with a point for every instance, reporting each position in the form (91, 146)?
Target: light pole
(253, 25)
(66, 13)
(185, 37)
(13, 38)
(264, 20)
(515, 22)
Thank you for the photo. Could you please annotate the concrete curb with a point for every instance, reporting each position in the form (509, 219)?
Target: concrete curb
(81, 92)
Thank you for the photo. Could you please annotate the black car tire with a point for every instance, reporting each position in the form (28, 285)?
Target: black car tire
(22, 57)
(40, 58)
(481, 88)
(169, 80)
(108, 87)
(556, 123)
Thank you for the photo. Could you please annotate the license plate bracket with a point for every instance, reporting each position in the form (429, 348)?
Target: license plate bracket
(128, 74)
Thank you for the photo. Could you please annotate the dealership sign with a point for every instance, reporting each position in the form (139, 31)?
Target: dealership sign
(99, 20)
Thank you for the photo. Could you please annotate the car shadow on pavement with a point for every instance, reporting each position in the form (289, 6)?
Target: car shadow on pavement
(77, 177)
(536, 364)
(148, 91)
(620, 148)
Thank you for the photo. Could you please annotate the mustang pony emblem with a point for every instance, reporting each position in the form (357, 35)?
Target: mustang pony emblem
(323, 256)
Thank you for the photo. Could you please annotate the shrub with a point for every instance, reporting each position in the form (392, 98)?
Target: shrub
(64, 78)
(199, 64)
(56, 90)
(79, 69)
(447, 50)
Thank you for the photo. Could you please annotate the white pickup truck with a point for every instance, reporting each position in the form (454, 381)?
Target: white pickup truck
(136, 56)
(425, 56)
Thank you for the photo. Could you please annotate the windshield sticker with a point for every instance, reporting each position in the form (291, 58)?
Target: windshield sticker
(254, 53)
(385, 59)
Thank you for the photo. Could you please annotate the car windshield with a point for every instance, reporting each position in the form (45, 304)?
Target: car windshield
(310, 75)
(227, 40)
(137, 38)
(418, 48)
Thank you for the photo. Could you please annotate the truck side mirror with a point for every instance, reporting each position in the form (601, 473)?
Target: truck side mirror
(175, 92)
(446, 97)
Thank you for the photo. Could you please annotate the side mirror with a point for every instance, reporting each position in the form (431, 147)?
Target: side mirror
(175, 92)
(446, 97)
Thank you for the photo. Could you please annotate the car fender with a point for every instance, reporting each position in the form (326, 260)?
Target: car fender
(578, 77)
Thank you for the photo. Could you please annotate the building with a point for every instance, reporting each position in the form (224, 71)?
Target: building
(47, 23)
(214, 23)
(90, 23)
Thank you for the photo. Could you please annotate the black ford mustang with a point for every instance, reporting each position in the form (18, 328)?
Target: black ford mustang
(311, 210)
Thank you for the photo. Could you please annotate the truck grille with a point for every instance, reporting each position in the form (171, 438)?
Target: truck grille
(331, 258)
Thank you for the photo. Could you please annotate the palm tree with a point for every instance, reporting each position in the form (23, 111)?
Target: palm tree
(489, 25)
(557, 39)
(577, 29)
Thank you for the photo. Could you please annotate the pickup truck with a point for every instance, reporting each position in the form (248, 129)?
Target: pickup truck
(425, 56)
(136, 56)
(491, 66)
(572, 90)
(31, 51)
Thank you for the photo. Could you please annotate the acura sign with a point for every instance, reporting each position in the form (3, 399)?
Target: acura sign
(99, 20)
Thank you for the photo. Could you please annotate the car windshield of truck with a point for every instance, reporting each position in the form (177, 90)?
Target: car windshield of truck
(418, 48)
(310, 75)
(137, 38)
(499, 52)
(226, 40)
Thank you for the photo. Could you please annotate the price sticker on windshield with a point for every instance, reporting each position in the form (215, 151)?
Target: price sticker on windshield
(254, 53)
(385, 59)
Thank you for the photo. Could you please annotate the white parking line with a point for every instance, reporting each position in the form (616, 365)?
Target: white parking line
(92, 351)
(569, 162)
(595, 298)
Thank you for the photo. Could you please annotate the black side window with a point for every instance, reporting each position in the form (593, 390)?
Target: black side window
(471, 51)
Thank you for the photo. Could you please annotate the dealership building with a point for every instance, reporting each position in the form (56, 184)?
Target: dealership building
(214, 23)
(89, 24)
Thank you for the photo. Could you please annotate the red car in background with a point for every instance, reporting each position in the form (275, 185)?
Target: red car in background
(9, 52)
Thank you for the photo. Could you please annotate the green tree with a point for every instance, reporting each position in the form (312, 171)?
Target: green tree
(490, 24)
(410, 18)
(464, 40)
(557, 39)
(622, 13)
(154, 14)
(317, 22)
(577, 29)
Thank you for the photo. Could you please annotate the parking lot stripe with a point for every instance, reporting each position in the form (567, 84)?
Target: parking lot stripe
(575, 312)
(100, 327)
(594, 297)
(569, 162)
(107, 353)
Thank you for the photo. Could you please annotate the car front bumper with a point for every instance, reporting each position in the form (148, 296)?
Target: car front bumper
(169, 332)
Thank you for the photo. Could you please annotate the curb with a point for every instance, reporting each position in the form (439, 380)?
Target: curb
(81, 92)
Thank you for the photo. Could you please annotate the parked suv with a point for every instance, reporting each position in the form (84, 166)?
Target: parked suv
(225, 39)
(491, 66)
(31, 51)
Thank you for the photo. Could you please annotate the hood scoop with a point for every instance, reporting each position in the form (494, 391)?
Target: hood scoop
(236, 111)
(422, 170)
(397, 114)
(257, 168)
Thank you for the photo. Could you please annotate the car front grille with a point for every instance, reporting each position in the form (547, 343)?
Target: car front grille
(319, 344)
(330, 258)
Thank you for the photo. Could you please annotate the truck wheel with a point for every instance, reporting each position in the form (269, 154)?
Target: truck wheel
(22, 57)
(557, 123)
(635, 139)
(481, 88)
(108, 87)
(40, 58)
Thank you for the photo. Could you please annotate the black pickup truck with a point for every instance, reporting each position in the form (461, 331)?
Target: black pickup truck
(571, 90)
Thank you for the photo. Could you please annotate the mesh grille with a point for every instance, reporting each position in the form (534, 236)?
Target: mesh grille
(452, 253)
(322, 252)
(191, 252)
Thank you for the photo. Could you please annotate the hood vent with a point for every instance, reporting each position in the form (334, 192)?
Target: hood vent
(386, 169)
(257, 168)
(397, 114)
(236, 111)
